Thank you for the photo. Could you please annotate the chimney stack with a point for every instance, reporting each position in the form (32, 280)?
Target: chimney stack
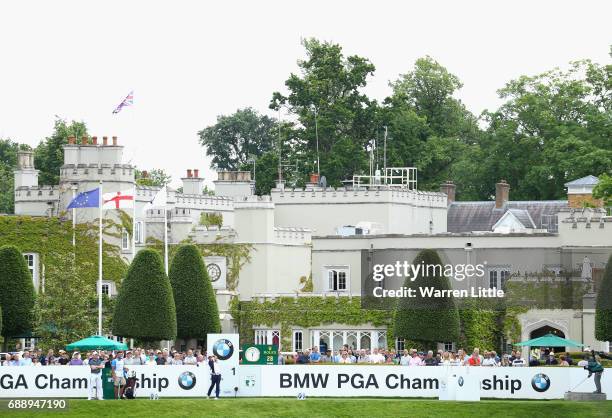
(144, 174)
(71, 140)
(189, 175)
(84, 140)
(114, 141)
(105, 140)
(448, 188)
(196, 173)
(94, 140)
(502, 194)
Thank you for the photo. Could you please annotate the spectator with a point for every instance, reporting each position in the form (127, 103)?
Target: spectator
(96, 364)
(461, 357)
(190, 359)
(16, 360)
(162, 359)
(551, 360)
(325, 356)
(564, 362)
(518, 360)
(63, 359)
(130, 360)
(430, 360)
(344, 358)
(303, 358)
(585, 361)
(151, 361)
(26, 360)
(533, 362)
(489, 360)
(415, 360)
(474, 359)
(405, 359)
(512, 357)
(176, 360)
(36, 362)
(50, 359)
(376, 357)
(76, 359)
(505, 361)
(315, 357)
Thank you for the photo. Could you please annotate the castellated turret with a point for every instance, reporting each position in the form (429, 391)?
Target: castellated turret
(86, 163)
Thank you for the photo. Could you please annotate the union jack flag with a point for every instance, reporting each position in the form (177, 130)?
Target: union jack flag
(128, 101)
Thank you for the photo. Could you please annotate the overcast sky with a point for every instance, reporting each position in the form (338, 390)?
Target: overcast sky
(188, 62)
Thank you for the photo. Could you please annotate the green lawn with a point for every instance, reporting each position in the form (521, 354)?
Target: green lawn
(321, 407)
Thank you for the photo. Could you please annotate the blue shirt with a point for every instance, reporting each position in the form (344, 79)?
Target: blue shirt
(315, 356)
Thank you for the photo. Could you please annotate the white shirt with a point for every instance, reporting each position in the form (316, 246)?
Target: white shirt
(405, 360)
(489, 362)
(216, 369)
(519, 362)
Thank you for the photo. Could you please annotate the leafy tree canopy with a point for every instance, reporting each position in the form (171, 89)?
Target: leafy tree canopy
(16, 293)
(155, 177)
(49, 154)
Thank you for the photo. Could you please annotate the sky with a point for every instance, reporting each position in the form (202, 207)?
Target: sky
(190, 61)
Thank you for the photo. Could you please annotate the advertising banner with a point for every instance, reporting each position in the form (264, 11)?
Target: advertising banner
(226, 348)
(293, 380)
(73, 381)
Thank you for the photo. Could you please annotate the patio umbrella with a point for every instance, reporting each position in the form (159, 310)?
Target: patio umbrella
(550, 340)
(96, 342)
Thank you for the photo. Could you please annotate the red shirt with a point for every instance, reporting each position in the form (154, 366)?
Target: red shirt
(474, 361)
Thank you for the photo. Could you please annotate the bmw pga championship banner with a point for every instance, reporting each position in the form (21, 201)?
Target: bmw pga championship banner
(293, 380)
(226, 347)
(403, 381)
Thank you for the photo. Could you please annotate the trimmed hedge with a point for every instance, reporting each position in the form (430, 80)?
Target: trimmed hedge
(197, 314)
(427, 319)
(16, 293)
(145, 305)
(603, 312)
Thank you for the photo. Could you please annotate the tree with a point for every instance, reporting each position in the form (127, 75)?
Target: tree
(427, 319)
(327, 99)
(49, 154)
(197, 314)
(603, 311)
(67, 310)
(237, 138)
(155, 177)
(16, 293)
(145, 306)
(551, 129)
(8, 162)
(603, 190)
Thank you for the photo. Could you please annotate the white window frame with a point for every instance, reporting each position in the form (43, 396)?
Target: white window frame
(501, 276)
(125, 239)
(266, 336)
(33, 267)
(449, 346)
(298, 343)
(329, 279)
(400, 344)
(139, 232)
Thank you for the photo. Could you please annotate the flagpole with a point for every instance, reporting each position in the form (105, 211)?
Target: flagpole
(100, 262)
(134, 225)
(166, 239)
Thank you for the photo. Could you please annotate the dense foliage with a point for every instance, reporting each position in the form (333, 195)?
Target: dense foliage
(67, 310)
(603, 313)
(550, 129)
(427, 318)
(197, 314)
(16, 293)
(145, 306)
(154, 177)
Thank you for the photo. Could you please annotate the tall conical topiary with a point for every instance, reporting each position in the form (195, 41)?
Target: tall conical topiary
(427, 319)
(196, 307)
(16, 293)
(145, 306)
(603, 308)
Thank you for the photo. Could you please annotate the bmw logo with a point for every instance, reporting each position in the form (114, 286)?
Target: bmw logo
(460, 381)
(540, 382)
(223, 349)
(187, 380)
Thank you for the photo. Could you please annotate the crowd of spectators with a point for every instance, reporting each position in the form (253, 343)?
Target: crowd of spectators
(346, 355)
(136, 356)
(413, 357)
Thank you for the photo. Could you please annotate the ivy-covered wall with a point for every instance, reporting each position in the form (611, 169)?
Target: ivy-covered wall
(237, 255)
(481, 325)
(305, 312)
(52, 237)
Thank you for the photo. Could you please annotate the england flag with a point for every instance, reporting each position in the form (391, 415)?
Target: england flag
(118, 200)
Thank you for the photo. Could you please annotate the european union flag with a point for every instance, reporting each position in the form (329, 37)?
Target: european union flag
(90, 199)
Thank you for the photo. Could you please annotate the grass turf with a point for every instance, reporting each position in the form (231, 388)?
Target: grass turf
(322, 407)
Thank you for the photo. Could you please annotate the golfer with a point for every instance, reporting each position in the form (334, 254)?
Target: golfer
(595, 367)
(215, 376)
(96, 364)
